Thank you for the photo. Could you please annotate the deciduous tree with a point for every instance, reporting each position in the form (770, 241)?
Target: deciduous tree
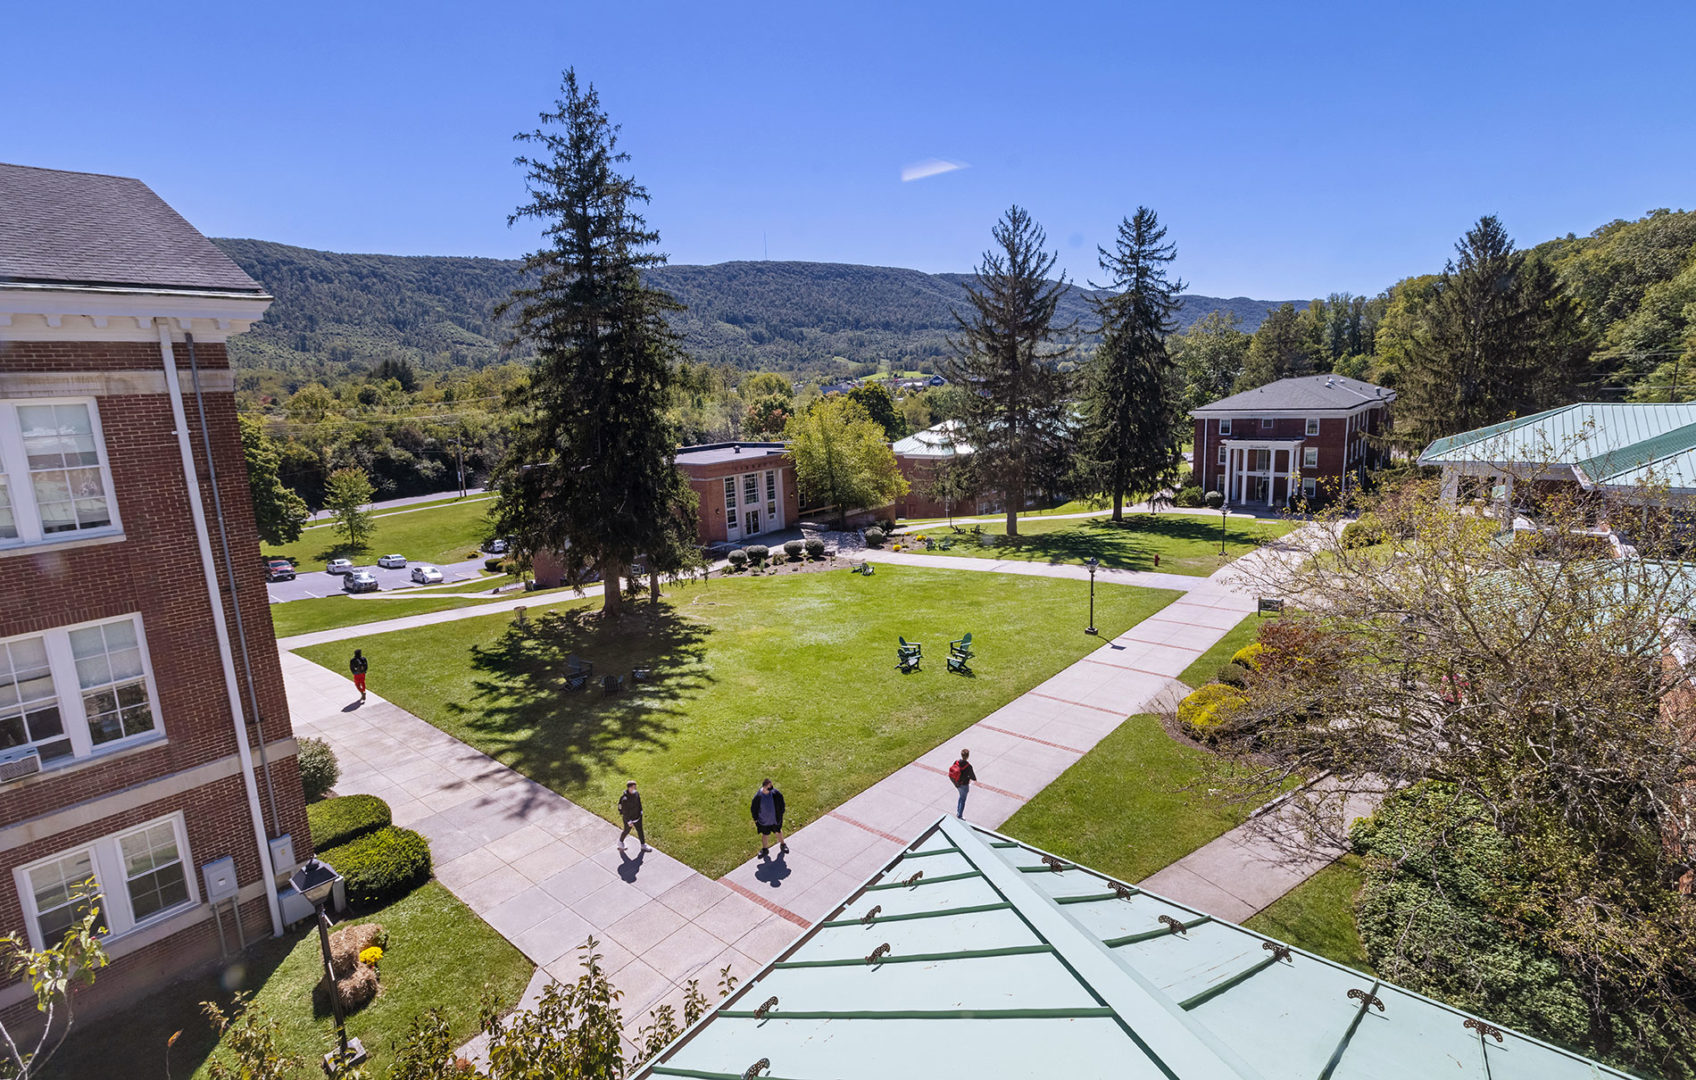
(1007, 360)
(1209, 355)
(841, 458)
(347, 495)
(54, 975)
(591, 475)
(874, 397)
(279, 513)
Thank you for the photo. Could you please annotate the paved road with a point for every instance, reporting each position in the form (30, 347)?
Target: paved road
(410, 500)
(313, 581)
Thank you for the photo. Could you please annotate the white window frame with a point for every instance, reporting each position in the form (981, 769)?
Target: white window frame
(14, 465)
(67, 690)
(1223, 451)
(1313, 425)
(1225, 426)
(117, 913)
(1310, 487)
(1266, 422)
(1310, 457)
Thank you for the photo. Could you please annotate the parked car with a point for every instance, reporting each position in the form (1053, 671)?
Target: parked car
(339, 566)
(279, 570)
(426, 575)
(496, 546)
(392, 562)
(360, 581)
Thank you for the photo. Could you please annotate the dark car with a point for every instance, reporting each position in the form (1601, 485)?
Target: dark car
(279, 570)
(496, 546)
(360, 581)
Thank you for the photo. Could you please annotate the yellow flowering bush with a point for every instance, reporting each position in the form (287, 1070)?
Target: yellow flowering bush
(371, 955)
(1249, 655)
(1202, 713)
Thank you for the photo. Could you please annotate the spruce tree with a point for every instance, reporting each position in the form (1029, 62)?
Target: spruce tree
(1131, 423)
(591, 474)
(1007, 358)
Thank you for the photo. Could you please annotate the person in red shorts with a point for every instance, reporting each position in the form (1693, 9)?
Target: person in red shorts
(358, 666)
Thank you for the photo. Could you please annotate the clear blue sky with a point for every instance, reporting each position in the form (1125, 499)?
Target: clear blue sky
(1292, 150)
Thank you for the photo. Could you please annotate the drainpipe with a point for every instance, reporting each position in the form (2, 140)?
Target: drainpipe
(235, 582)
(225, 656)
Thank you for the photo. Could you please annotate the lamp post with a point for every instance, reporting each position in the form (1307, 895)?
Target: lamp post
(1092, 562)
(316, 881)
(1224, 516)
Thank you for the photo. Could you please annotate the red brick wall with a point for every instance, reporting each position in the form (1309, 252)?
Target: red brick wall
(1334, 432)
(708, 482)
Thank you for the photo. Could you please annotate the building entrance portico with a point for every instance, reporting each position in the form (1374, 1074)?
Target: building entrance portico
(1260, 470)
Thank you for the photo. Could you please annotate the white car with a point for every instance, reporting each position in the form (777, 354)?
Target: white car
(392, 562)
(339, 566)
(426, 575)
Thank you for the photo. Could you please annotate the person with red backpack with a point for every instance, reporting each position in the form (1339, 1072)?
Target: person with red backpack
(962, 774)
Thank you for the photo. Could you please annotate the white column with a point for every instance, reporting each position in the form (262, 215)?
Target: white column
(1230, 455)
(1451, 485)
(1271, 476)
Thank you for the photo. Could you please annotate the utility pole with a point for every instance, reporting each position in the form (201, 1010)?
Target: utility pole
(459, 459)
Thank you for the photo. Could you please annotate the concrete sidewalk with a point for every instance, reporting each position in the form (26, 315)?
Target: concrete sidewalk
(408, 622)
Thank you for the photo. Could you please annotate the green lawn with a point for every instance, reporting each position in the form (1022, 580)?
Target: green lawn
(1119, 809)
(439, 955)
(792, 675)
(1208, 663)
(1318, 915)
(1185, 543)
(446, 533)
(328, 612)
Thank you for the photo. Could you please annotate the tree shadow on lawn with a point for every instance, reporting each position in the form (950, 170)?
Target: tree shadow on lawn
(1128, 545)
(525, 714)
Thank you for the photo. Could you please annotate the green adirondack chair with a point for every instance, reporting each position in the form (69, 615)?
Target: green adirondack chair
(961, 648)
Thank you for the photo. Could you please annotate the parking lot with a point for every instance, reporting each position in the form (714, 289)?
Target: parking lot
(312, 581)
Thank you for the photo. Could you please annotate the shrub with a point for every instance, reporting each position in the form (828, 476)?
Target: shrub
(793, 548)
(815, 548)
(1249, 655)
(493, 566)
(1232, 675)
(886, 524)
(738, 559)
(1205, 712)
(1214, 499)
(1188, 496)
(383, 865)
(758, 553)
(874, 537)
(1362, 533)
(336, 821)
(318, 768)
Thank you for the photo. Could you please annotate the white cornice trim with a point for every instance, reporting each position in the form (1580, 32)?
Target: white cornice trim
(35, 313)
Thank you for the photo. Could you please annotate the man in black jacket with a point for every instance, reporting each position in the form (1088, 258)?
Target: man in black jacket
(630, 812)
(767, 809)
(358, 666)
(962, 773)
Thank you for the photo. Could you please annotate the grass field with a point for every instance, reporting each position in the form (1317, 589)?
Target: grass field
(448, 532)
(1318, 915)
(1185, 543)
(792, 675)
(440, 955)
(1208, 663)
(1123, 809)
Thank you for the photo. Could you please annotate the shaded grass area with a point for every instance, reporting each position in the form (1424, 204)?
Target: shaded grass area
(450, 532)
(440, 955)
(1318, 915)
(1185, 543)
(1208, 663)
(791, 675)
(1130, 806)
(329, 612)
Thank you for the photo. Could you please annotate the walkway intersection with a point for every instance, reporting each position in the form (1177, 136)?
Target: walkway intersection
(547, 873)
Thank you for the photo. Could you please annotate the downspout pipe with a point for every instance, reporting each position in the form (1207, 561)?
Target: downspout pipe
(226, 657)
(235, 582)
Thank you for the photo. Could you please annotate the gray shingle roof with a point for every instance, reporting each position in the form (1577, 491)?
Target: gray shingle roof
(75, 228)
(1313, 392)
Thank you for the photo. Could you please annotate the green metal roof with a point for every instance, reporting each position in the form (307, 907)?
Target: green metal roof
(1612, 445)
(998, 960)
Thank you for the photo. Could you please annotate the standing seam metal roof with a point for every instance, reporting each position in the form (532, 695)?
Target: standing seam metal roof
(1605, 444)
(974, 955)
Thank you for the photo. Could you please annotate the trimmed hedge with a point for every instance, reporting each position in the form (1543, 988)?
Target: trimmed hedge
(1188, 497)
(758, 553)
(1232, 674)
(793, 549)
(815, 548)
(336, 821)
(318, 767)
(1214, 499)
(381, 866)
(737, 558)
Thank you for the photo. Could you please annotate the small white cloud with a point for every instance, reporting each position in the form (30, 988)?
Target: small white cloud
(918, 170)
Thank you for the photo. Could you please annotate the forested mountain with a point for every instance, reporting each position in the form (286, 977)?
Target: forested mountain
(339, 313)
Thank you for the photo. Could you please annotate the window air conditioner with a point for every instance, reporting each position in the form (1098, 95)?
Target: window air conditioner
(15, 764)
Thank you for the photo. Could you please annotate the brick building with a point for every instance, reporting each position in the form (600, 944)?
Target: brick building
(921, 456)
(1313, 434)
(746, 489)
(144, 734)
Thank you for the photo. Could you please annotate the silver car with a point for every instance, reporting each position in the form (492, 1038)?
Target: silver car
(360, 581)
(339, 566)
(426, 575)
(392, 562)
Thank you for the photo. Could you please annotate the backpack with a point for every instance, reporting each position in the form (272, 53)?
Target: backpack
(954, 773)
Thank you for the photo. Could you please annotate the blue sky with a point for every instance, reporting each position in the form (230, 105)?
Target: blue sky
(1291, 150)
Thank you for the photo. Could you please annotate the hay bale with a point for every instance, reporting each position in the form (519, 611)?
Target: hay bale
(356, 989)
(348, 942)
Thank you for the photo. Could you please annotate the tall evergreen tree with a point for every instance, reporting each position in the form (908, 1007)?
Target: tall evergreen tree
(591, 473)
(1130, 433)
(1498, 337)
(1007, 355)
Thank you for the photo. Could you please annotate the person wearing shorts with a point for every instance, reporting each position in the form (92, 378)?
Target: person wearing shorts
(767, 809)
(358, 666)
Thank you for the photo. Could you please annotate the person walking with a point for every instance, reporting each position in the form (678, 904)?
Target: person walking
(767, 809)
(962, 773)
(358, 666)
(630, 812)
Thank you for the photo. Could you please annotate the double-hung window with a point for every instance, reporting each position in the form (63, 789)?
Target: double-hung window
(139, 875)
(55, 483)
(1225, 426)
(730, 496)
(1309, 457)
(1313, 425)
(72, 691)
(771, 492)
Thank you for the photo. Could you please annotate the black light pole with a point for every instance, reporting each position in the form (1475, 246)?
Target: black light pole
(1224, 515)
(1092, 562)
(316, 881)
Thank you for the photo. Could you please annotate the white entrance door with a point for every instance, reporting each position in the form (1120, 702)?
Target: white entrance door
(732, 519)
(751, 522)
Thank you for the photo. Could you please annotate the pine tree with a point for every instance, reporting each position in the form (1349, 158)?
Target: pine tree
(591, 474)
(1131, 436)
(1007, 360)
